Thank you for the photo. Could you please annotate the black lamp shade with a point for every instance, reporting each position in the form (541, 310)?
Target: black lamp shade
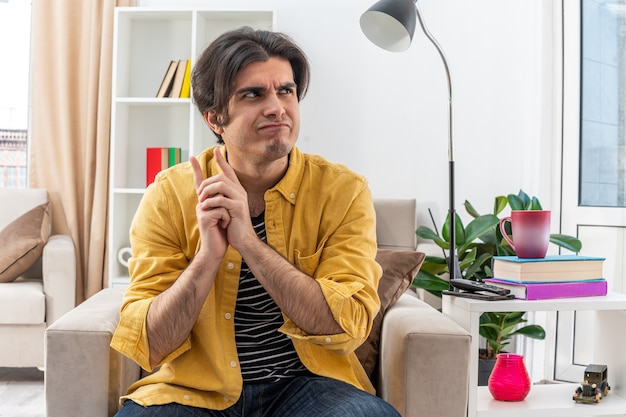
(390, 24)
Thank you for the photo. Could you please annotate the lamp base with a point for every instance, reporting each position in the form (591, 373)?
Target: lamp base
(478, 296)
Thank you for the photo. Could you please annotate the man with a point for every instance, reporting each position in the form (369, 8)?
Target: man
(253, 276)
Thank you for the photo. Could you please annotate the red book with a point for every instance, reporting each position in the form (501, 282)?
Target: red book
(158, 159)
(550, 290)
(153, 164)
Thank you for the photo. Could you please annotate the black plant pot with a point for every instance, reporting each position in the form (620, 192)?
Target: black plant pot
(485, 366)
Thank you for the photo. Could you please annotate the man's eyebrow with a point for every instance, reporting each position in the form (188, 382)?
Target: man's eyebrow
(261, 89)
(288, 85)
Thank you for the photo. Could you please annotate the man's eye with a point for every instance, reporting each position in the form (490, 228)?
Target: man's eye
(287, 90)
(251, 94)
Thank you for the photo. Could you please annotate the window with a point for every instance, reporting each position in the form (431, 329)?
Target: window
(603, 103)
(13, 161)
(593, 166)
(15, 23)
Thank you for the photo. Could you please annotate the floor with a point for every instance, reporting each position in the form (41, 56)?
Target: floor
(21, 393)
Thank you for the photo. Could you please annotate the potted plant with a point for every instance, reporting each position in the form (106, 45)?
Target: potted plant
(497, 328)
(477, 243)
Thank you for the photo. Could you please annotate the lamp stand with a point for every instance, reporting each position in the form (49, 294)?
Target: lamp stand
(390, 24)
(453, 261)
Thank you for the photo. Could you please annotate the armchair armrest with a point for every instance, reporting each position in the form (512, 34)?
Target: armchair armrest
(59, 276)
(84, 375)
(424, 361)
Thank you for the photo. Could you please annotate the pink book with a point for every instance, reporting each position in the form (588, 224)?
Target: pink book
(548, 290)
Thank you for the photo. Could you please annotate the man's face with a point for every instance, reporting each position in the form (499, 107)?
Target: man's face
(264, 113)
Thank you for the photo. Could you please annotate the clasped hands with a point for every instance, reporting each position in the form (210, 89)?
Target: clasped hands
(222, 209)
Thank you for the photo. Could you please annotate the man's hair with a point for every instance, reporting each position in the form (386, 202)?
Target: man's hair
(213, 76)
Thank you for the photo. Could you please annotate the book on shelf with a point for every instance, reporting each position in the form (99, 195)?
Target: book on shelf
(185, 90)
(174, 157)
(552, 268)
(166, 83)
(158, 159)
(179, 76)
(550, 290)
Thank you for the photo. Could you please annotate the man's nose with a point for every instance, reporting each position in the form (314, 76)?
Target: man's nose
(274, 106)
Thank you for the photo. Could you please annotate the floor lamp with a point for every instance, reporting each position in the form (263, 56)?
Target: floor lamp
(390, 24)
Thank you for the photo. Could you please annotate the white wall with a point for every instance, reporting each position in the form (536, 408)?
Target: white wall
(385, 115)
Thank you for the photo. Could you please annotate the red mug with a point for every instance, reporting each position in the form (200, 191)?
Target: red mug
(531, 232)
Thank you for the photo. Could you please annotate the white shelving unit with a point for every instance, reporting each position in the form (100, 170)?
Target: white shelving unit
(551, 400)
(145, 41)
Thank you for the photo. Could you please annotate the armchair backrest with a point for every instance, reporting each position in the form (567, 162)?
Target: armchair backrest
(16, 201)
(396, 221)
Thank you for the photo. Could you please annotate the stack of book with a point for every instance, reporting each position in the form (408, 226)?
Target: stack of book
(176, 82)
(158, 159)
(555, 276)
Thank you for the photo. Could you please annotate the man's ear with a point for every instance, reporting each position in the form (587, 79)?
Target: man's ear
(213, 120)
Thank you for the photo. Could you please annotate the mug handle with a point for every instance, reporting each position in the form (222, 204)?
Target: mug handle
(124, 255)
(503, 230)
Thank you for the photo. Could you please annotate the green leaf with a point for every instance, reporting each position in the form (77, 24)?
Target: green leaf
(490, 239)
(499, 204)
(535, 204)
(525, 199)
(470, 209)
(435, 259)
(567, 242)
(490, 317)
(494, 345)
(504, 249)
(480, 225)
(515, 202)
(507, 331)
(491, 326)
(426, 233)
(489, 331)
(477, 228)
(513, 317)
(469, 252)
(476, 266)
(459, 230)
(533, 331)
(431, 283)
(434, 268)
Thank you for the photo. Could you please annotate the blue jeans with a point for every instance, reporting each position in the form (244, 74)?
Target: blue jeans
(305, 396)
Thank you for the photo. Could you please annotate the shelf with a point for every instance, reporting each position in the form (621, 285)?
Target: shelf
(145, 40)
(549, 400)
(611, 301)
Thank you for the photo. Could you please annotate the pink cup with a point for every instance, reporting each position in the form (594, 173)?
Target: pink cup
(531, 232)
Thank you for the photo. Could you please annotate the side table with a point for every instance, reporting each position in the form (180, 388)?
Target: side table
(553, 400)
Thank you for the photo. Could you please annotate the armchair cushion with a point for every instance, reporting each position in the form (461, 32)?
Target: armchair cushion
(22, 302)
(22, 242)
(399, 268)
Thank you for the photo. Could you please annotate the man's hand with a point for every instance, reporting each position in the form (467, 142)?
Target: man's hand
(226, 201)
(212, 221)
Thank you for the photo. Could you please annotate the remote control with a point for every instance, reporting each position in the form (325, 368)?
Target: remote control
(474, 286)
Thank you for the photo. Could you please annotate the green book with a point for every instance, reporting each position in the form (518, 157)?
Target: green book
(174, 156)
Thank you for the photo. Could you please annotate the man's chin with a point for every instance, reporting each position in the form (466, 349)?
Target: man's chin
(279, 148)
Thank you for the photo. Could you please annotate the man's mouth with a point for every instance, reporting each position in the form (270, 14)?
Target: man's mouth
(274, 126)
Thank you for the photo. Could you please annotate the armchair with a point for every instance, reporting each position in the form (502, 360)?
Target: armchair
(37, 276)
(417, 347)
